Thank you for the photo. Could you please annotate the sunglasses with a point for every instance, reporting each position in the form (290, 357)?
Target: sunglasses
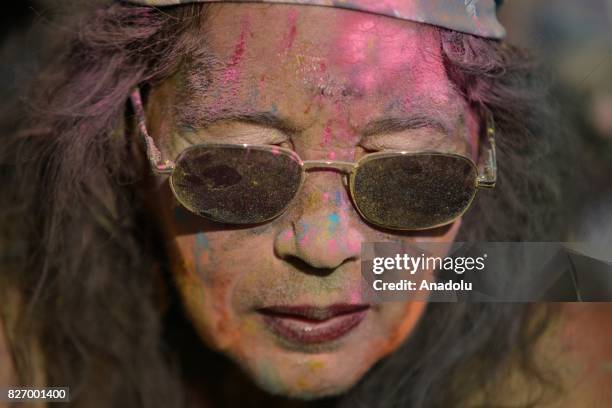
(246, 184)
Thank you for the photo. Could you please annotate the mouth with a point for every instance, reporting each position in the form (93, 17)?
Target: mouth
(313, 325)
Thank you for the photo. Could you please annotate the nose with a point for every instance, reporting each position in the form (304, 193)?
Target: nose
(321, 228)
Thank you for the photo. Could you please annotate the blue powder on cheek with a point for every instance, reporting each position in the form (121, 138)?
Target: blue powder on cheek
(200, 245)
(202, 242)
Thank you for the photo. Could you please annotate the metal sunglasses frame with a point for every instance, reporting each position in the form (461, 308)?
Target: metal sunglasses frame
(160, 166)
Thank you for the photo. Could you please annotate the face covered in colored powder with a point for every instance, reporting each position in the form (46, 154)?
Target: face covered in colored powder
(283, 300)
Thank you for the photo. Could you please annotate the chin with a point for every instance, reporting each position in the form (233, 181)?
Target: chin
(305, 376)
(312, 389)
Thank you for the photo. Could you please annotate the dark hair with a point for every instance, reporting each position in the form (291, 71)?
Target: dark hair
(79, 249)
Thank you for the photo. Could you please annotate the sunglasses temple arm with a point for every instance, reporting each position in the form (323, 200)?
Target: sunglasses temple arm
(489, 177)
(158, 165)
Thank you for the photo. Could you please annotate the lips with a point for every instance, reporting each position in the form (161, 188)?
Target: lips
(312, 325)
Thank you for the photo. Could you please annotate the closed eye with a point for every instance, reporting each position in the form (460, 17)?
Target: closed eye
(414, 141)
(237, 133)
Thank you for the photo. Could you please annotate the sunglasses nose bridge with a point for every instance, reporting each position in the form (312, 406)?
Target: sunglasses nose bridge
(343, 167)
(346, 168)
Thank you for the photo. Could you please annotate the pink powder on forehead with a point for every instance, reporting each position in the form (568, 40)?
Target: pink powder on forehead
(232, 73)
(327, 134)
(390, 6)
(227, 94)
(287, 42)
(372, 50)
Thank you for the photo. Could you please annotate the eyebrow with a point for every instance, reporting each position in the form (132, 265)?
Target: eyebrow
(271, 120)
(264, 119)
(399, 124)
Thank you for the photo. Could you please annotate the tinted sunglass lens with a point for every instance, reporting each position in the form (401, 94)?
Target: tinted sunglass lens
(414, 191)
(236, 184)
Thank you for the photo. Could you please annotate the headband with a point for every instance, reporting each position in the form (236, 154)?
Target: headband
(477, 17)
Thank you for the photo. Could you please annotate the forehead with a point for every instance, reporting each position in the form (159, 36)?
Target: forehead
(277, 29)
(301, 52)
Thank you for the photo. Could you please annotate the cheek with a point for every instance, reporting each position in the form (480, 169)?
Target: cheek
(399, 319)
(206, 285)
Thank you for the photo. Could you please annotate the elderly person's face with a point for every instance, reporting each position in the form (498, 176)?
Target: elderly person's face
(325, 76)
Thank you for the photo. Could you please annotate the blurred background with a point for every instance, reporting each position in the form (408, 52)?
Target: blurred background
(572, 40)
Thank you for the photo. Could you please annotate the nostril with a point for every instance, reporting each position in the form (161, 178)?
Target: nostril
(313, 267)
(305, 267)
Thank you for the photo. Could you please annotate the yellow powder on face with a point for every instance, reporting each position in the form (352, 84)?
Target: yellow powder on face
(312, 200)
(315, 365)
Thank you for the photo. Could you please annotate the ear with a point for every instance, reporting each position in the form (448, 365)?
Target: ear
(156, 123)
(126, 145)
(159, 110)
